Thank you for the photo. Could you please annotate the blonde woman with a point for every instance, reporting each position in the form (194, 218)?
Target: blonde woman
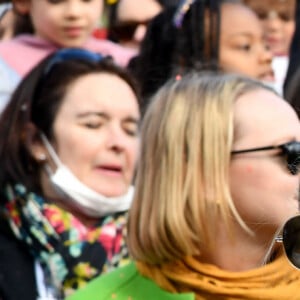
(217, 180)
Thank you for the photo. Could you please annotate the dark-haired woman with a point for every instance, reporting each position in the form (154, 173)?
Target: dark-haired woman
(68, 149)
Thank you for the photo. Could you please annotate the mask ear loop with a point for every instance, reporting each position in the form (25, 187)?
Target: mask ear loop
(52, 153)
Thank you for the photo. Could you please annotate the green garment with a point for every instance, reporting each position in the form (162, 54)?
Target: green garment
(125, 283)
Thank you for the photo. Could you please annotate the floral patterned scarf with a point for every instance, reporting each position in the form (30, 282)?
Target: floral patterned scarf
(70, 253)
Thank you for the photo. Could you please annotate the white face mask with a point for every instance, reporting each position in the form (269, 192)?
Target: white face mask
(87, 200)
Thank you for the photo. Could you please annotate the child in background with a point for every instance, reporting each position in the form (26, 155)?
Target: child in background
(278, 21)
(55, 25)
(202, 35)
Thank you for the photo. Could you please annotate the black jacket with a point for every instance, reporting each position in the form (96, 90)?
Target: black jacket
(17, 275)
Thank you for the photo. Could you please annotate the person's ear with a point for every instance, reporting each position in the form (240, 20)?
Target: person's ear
(34, 144)
(21, 7)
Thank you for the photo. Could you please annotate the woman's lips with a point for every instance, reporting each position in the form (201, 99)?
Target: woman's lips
(112, 171)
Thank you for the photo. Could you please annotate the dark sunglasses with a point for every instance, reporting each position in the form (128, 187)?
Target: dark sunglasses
(126, 31)
(289, 150)
(290, 238)
(67, 54)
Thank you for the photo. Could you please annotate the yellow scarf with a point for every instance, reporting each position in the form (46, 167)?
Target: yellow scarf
(276, 281)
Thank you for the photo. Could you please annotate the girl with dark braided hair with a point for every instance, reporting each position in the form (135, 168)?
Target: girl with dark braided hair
(202, 35)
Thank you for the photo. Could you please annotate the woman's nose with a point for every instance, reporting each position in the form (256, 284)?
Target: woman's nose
(117, 140)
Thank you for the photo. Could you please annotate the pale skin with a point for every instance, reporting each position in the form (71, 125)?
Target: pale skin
(66, 23)
(95, 136)
(265, 193)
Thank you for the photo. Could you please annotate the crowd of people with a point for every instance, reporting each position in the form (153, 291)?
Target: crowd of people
(159, 158)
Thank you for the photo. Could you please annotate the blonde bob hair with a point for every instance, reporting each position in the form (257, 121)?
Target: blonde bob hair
(182, 183)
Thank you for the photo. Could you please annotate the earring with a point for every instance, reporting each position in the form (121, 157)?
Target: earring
(41, 157)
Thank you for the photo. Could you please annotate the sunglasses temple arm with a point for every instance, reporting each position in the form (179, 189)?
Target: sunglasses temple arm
(276, 239)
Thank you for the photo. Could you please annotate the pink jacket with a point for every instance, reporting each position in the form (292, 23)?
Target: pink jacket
(25, 51)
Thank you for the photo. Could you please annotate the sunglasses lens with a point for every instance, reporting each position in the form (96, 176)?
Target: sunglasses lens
(124, 32)
(292, 151)
(293, 168)
(291, 240)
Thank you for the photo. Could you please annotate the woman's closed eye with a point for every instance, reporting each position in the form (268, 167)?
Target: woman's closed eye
(91, 121)
(131, 129)
(93, 125)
